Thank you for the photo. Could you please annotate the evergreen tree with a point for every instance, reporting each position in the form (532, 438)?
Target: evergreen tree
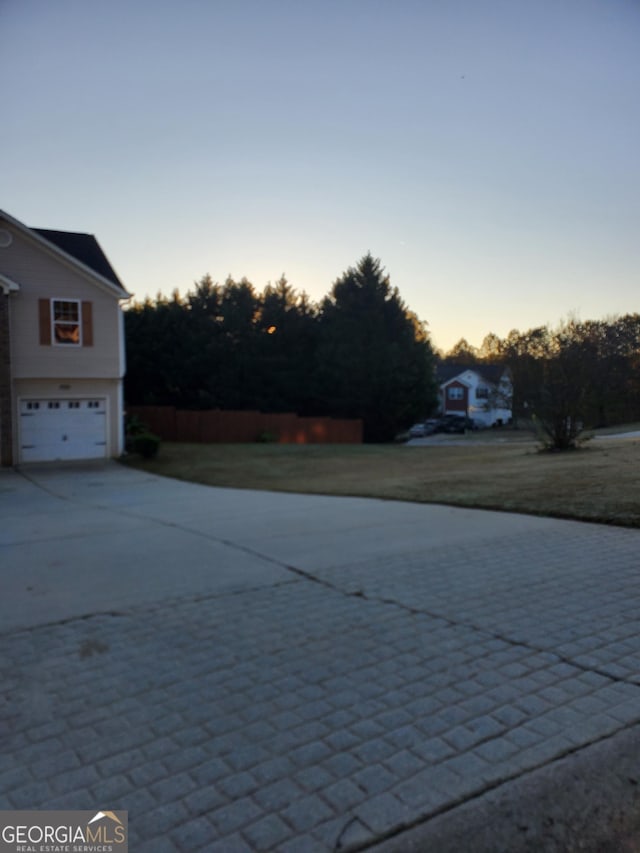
(361, 354)
(288, 339)
(375, 360)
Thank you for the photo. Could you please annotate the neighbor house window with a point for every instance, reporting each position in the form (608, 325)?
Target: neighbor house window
(66, 319)
(455, 392)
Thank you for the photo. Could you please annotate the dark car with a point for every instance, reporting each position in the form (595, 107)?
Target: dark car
(456, 424)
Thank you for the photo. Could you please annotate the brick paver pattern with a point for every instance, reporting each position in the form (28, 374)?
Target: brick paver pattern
(329, 710)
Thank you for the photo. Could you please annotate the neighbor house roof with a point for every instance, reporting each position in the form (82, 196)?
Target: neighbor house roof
(491, 373)
(84, 248)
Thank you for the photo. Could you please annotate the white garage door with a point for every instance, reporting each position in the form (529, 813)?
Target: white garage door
(62, 429)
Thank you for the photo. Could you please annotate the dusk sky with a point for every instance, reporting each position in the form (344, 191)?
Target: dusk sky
(487, 151)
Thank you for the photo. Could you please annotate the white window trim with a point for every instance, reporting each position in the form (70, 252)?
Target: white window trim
(54, 342)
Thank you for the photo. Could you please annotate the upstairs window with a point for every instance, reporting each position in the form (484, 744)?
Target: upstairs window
(482, 393)
(455, 392)
(65, 322)
(66, 319)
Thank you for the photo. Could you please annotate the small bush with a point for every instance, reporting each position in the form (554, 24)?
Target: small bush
(146, 444)
(266, 437)
(133, 426)
(559, 434)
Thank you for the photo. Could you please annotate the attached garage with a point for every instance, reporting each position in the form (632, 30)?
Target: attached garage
(62, 353)
(62, 429)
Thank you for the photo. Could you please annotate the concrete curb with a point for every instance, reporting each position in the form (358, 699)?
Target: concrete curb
(588, 801)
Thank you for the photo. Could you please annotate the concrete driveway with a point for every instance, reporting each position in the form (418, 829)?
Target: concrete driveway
(251, 671)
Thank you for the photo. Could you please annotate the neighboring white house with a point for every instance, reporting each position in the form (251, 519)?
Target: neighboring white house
(482, 393)
(62, 357)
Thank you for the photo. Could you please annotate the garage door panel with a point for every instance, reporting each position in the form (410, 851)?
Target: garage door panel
(54, 429)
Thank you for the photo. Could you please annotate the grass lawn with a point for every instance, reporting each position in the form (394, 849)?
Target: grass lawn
(503, 471)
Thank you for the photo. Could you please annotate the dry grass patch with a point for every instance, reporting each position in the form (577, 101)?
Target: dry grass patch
(597, 483)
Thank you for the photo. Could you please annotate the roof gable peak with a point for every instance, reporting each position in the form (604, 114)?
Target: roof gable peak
(81, 249)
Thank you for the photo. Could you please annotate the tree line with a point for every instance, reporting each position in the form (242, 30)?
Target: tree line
(358, 353)
(579, 374)
(361, 353)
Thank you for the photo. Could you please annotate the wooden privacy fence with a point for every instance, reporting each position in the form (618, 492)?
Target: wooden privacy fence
(216, 426)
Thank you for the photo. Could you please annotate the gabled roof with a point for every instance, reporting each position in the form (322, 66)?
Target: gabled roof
(84, 248)
(491, 373)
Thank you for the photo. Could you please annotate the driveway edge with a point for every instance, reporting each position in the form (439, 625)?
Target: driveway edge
(588, 801)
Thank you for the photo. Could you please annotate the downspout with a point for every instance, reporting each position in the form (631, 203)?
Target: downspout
(6, 384)
(120, 435)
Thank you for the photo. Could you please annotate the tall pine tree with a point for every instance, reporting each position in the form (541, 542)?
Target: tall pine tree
(375, 360)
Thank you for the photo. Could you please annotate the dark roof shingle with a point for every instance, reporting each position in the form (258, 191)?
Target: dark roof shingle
(490, 372)
(84, 248)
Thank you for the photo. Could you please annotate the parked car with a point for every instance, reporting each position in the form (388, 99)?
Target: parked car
(424, 428)
(417, 431)
(456, 424)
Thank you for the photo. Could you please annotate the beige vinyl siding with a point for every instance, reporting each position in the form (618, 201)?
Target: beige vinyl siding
(43, 275)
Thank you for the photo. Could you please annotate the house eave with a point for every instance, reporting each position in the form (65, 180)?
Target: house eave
(98, 279)
(456, 379)
(8, 285)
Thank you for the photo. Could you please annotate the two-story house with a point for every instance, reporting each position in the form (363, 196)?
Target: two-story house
(62, 357)
(482, 393)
